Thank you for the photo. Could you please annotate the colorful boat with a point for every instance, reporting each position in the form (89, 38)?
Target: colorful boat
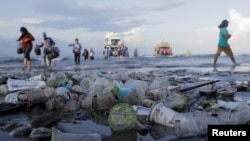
(163, 49)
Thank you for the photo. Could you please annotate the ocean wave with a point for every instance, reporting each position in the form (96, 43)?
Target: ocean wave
(10, 59)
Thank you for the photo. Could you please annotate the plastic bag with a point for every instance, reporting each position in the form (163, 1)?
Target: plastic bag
(54, 53)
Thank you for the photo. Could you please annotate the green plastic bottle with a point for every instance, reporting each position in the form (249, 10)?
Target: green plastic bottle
(56, 83)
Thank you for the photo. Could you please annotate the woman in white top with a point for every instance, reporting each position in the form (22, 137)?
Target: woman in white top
(77, 47)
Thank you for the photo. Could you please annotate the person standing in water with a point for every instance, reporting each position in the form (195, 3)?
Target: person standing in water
(85, 54)
(91, 54)
(223, 45)
(26, 39)
(48, 43)
(135, 53)
(77, 47)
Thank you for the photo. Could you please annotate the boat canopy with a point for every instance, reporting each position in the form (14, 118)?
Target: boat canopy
(163, 44)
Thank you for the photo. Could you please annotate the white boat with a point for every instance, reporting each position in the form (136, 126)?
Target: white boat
(115, 45)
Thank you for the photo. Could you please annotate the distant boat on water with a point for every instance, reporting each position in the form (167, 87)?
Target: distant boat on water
(115, 45)
(188, 53)
(163, 49)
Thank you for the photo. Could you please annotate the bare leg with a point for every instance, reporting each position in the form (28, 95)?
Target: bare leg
(24, 63)
(49, 63)
(45, 63)
(215, 59)
(44, 60)
(232, 59)
(29, 65)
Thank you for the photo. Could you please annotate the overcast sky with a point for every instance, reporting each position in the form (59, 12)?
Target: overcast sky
(185, 24)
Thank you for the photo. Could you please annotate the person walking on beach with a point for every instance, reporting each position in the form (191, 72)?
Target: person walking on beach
(77, 47)
(91, 54)
(48, 43)
(223, 45)
(85, 54)
(26, 39)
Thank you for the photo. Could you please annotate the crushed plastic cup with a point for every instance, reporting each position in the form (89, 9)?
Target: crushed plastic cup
(161, 114)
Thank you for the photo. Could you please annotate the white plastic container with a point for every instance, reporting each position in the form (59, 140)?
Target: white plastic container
(161, 114)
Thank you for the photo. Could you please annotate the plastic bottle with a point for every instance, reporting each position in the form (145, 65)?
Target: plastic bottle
(56, 83)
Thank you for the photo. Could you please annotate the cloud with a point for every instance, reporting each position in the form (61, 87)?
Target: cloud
(31, 21)
(96, 17)
(239, 27)
(167, 5)
(5, 24)
(70, 15)
(133, 35)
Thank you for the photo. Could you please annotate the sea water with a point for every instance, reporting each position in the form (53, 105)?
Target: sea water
(198, 62)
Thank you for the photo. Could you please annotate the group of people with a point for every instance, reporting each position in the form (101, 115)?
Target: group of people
(77, 49)
(48, 43)
(50, 51)
(117, 52)
(26, 39)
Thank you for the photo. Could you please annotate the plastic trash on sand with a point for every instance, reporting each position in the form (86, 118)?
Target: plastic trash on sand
(134, 96)
(36, 96)
(119, 93)
(17, 84)
(86, 85)
(40, 132)
(142, 113)
(64, 92)
(12, 97)
(161, 114)
(55, 83)
(193, 123)
(3, 89)
(60, 76)
(40, 77)
(122, 117)
(60, 136)
(131, 83)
